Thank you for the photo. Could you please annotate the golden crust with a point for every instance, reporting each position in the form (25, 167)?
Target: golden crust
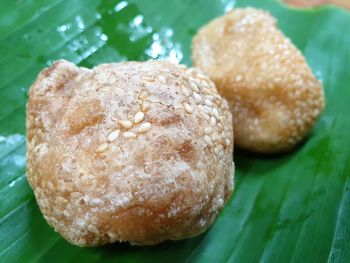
(138, 152)
(274, 97)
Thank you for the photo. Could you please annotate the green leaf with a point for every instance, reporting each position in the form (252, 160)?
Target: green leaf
(289, 208)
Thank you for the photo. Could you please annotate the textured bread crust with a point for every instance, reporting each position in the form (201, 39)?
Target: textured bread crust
(274, 97)
(134, 151)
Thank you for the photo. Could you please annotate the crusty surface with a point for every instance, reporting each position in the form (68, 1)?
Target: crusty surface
(134, 151)
(274, 97)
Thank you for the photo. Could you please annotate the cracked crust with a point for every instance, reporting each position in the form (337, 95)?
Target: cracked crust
(138, 152)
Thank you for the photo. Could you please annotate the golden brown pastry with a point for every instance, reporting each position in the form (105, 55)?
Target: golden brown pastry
(134, 151)
(274, 97)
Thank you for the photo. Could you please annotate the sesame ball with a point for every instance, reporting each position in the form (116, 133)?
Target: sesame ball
(274, 97)
(134, 151)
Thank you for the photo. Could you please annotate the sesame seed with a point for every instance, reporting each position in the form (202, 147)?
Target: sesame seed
(208, 102)
(144, 127)
(291, 140)
(50, 186)
(187, 107)
(228, 141)
(206, 109)
(148, 78)
(112, 78)
(114, 118)
(161, 78)
(125, 124)
(105, 88)
(112, 236)
(210, 97)
(143, 94)
(208, 140)
(113, 136)
(208, 130)
(82, 242)
(216, 113)
(102, 147)
(207, 90)
(129, 135)
(197, 96)
(217, 150)
(214, 136)
(185, 91)
(164, 70)
(93, 229)
(190, 71)
(238, 78)
(61, 199)
(182, 67)
(139, 117)
(316, 112)
(201, 76)
(145, 106)
(211, 85)
(145, 68)
(204, 84)
(75, 194)
(212, 121)
(194, 86)
(204, 115)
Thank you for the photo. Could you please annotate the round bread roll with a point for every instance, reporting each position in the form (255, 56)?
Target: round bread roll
(274, 97)
(134, 151)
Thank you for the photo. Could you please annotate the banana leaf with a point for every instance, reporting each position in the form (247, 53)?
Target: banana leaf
(286, 208)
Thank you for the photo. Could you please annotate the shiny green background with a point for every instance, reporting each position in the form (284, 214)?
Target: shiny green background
(290, 208)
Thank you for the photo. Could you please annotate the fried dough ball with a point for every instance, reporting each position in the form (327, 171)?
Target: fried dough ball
(134, 151)
(274, 97)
